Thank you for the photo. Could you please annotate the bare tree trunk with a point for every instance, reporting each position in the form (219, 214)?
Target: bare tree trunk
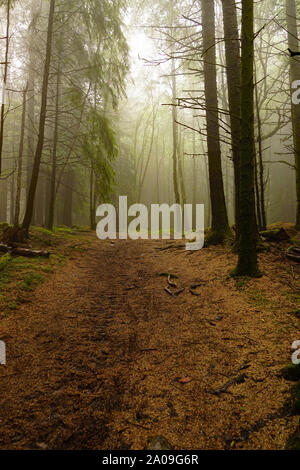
(257, 195)
(175, 135)
(20, 160)
(31, 101)
(50, 218)
(68, 198)
(2, 118)
(12, 198)
(293, 42)
(92, 198)
(259, 170)
(40, 143)
(220, 226)
(180, 170)
(247, 262)
(194, 169)
(233, 70)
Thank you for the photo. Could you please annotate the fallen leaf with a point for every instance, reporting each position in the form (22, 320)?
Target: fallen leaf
(185, 380)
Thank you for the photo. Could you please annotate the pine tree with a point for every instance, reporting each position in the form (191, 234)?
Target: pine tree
(220, 227)
(247, 262)
(294, 75)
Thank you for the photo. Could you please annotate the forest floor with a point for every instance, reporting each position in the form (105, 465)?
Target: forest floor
(101, 356)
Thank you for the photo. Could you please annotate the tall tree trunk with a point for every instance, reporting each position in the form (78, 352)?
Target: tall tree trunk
(220, 226)
(247, 262)
(257, 195)
(194, 168)
(259, 170)
(40, 143)
(175, 135)
(92, 199)
(181, 169)
(293, 42)
(3, 201)
(157, 169)
(233, 70)
(12, 198)
(20, 161)
(2, 118)
(68, 198)
(50, 217)
(31, 101)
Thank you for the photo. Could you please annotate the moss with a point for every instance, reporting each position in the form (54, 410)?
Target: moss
(12, 305)
(63, 229)
(219, 237)
(31, 280)
(258, 298)
(291, 372)
(43, 231)
(262, 247)
(57, 258)
(47, 269)
(4, 261)
(296, 312)
(241, 282)
(275, 235)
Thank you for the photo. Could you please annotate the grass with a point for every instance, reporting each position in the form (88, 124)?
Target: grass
(241, 282)
(30, 281)
(20, 276)
(258, 298)
(296, 313)
(4, 260)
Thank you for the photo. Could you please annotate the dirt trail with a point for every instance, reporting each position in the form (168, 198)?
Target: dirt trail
(94, 361)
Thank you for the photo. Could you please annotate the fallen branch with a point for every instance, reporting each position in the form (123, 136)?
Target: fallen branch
(172, 276)
(293, 253)
(293, 257)
(169, 291)
(17, 251)
(176, 293)
(193, 292)
(172, 284)
(137, 425)
(234, 380)
(276, 235)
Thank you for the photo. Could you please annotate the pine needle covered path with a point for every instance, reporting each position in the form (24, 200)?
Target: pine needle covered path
(135, 339)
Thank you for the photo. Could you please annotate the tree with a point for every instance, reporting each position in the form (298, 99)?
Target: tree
(20, 160)
(233, 71)
(50, 215)
(293, 43)
(219, 228)
(40, 143)
(2, 117)
(247, 261)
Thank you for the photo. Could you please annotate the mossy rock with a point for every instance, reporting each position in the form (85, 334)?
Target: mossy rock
(291, 372)
(277, 235)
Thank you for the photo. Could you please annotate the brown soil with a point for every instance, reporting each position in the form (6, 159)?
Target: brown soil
(94, 361)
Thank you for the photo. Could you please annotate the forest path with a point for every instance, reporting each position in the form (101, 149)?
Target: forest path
(95, 360)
